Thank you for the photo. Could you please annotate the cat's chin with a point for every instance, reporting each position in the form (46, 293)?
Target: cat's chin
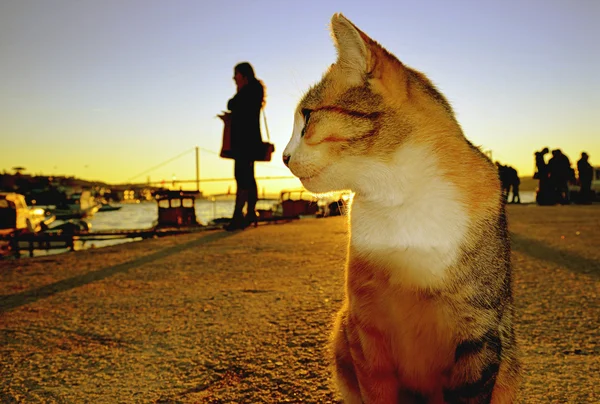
(319, 181)
(310, 184)
(314, 185)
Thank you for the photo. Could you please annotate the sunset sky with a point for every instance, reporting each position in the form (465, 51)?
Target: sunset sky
(110, 90)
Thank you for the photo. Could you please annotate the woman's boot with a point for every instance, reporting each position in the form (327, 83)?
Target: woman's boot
(237, 221)
(251, 216)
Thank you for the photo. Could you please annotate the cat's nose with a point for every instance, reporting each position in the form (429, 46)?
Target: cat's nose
(286, 159)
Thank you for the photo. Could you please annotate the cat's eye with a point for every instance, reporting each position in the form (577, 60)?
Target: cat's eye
(306, 114)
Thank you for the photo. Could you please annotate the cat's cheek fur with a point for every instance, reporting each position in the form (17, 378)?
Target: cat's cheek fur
(306, 161)
(315, 167)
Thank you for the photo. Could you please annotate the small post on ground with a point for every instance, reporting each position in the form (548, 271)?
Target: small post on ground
(197, 169)
(14, 245)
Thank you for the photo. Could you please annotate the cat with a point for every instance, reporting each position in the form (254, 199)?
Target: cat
(428, 309)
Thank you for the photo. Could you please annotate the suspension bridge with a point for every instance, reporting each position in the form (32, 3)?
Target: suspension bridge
(198, 180)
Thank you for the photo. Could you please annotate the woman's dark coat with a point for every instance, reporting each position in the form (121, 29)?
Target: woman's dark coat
(245, 106)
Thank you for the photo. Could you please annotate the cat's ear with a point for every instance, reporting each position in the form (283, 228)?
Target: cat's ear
(353, 53)
(361, 58)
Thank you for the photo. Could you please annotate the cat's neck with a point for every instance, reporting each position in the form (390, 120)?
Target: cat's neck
(407, 214)
(414, 179)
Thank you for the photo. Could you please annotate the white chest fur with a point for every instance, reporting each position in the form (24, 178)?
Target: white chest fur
(413, 227)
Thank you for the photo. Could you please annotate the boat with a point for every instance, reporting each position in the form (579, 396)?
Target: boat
(293, 204)
(16, 216)
(302, 204)
(337, 204)
(176, 209)
(16, 219)
(107, 207)
(78, 205)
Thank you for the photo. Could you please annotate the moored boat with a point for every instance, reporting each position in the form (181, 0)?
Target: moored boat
(176, 209)
(78, 205)
(108, 207)
(16, 216)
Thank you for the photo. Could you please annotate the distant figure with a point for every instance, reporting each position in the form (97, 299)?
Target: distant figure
(509, 179)
(586, 174)
(514, 181)
(545, 194)
(246, 142)
(561, 172)
(504, 179)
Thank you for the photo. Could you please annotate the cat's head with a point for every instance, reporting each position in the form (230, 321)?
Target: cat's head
(352, 123)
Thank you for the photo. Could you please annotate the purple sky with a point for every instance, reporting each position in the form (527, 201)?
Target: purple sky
(108, 89)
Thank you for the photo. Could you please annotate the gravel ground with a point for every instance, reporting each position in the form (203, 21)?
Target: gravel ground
(243, 317)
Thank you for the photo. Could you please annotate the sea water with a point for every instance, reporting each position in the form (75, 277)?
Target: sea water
(143, 215)
(139, 216)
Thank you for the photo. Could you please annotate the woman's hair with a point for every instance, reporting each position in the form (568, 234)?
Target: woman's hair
(246, 70)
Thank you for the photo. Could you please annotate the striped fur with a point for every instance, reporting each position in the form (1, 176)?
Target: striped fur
(428, 312)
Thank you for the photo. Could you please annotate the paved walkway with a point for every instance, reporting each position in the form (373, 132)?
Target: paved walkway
(244, 317)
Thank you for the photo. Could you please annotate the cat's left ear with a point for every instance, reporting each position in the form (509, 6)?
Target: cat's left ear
(358, 54)
(353, 53)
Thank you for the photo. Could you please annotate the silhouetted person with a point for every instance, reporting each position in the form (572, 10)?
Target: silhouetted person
(246, 141)
(561, 172)
(586, 174)
(504, 179)
(513, 181)
(545, 194)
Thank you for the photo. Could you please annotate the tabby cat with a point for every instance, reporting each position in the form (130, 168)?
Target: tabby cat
(428, 309)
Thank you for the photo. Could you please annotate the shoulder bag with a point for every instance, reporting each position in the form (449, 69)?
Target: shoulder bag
(267, 148)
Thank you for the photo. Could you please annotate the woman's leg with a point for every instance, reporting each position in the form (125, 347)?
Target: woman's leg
(241, 196)
(252, 194)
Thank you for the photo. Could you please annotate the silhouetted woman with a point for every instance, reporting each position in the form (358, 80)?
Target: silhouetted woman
(561, 173)
(545, 195)
(246, 141)
(586, 175)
